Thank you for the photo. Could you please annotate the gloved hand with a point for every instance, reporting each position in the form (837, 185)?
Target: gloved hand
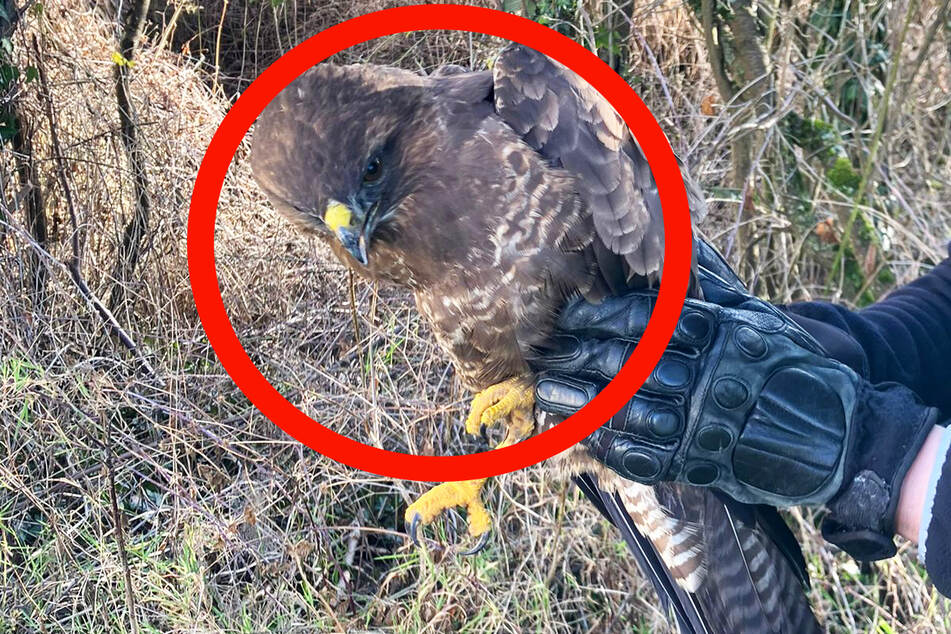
(743, 400)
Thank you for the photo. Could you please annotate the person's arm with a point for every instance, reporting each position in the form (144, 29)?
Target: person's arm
(919, 486)
(926, 504)
(905, 337)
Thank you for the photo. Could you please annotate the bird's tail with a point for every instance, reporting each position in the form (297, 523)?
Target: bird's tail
(674, 599)
(754, 576)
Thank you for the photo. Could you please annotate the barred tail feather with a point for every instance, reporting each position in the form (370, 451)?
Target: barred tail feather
(673, 598)
(753, 579)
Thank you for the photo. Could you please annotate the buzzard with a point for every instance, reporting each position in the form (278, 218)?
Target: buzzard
(497, 196)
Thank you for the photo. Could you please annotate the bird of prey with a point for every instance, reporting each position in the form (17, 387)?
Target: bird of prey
(498, 196)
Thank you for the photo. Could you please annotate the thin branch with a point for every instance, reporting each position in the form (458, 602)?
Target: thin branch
(937, 23)
(75, 262)
(221, 25)
(120, 531)
(353, 305)
(129, 249)
(715, 51)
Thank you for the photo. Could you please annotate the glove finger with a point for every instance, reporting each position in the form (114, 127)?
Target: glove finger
(713, 270)
(626, 317)
(556, 393)
(718, 291)
(630, 459)
(597, 359)
(710, 259)
(655, 404)
(720, 284)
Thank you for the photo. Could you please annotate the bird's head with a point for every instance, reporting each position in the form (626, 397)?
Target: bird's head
(342, 150)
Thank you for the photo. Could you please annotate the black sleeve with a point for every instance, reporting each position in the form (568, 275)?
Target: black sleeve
(905, 338)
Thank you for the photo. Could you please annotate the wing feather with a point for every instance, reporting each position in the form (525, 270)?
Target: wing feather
(689, 615)
(757, 581)
(573, 127)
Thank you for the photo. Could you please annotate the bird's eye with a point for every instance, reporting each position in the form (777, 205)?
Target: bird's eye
(373, 170)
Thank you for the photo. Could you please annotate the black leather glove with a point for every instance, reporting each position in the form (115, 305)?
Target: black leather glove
(746, 401)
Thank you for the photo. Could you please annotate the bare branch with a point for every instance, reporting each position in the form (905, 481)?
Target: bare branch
(135, 231)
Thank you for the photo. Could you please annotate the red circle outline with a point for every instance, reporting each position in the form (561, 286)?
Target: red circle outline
(237, 122)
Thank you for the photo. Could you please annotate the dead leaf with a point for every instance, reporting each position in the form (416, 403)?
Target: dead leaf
(213, 476)
(749, 204)
(707, 103)
(825, 229)
(301, 549)
(871, 258)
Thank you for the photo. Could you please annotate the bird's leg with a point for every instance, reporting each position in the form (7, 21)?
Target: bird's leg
(447, 495)
(509, 404)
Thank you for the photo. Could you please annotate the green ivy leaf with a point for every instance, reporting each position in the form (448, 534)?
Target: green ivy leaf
(8, 126)
(8, 75)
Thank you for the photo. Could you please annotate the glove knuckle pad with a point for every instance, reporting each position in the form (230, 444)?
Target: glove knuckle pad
(645, 439)
(671, 374)
(770, 416)
(797, 427)
(634, 461)
(696, 326)
(650, 420)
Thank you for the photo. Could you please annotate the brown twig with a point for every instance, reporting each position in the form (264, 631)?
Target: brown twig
(221, 24)
(135, 231)
(117, 520)
(353, 305)
(75, 262)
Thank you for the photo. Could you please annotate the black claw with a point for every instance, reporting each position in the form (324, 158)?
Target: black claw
(478, 548)
(453, 525)
(413, 529)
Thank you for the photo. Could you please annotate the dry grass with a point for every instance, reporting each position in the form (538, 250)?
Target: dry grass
(229, 525)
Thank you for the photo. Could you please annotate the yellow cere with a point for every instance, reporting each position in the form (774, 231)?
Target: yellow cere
(336, 216)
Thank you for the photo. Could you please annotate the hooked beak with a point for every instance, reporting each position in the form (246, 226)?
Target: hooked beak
(350, 228)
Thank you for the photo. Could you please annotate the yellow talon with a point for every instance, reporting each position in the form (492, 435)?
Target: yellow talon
(509, 404)
(513, 399)
(444, 496)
